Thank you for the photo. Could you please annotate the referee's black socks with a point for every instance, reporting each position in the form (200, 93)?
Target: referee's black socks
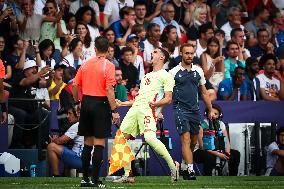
(97, 161)
(86, 158)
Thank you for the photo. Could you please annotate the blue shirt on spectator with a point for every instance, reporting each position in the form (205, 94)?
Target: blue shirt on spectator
(226, 89)
(118, 29)
(256, 51)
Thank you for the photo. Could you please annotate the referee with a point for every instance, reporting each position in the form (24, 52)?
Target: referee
(96, 77)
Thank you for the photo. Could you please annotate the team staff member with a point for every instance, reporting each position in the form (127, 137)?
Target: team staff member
(189, 79)
(96, 77)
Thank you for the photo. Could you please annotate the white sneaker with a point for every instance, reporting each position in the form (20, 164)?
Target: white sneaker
(125, 179)
(175, 172)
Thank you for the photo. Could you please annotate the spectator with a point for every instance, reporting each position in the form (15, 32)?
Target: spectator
(29, 22)
(140, 32)
(133, 41)
(110, 55)
(70, 21)
(8, 22)
(76, 5)
(129, 71)
(3, 57)
(140, 12)
(53, 30)
(270, 88)
(122, 28)
(261, 15)
(112, 9)
(109, 34)
(220, 9)
(27, 112)
(75, 58)
(57, 83)
(88, 45)
(182, 12)
(199, 17)
(235, 59)
(274, 157)
(120, 89)
(277, 30)
(212, 63)
(152, 41)
(206, 154)
(280, 56)
(251, 80)
(235, 88)
(238, 36)
(86, 15)
(200, 4)
(167, 18)
(234, 21)
(46, 50)
(169, 36)
(18, 56)
(57, 151)
(206, 31)
(263, 46)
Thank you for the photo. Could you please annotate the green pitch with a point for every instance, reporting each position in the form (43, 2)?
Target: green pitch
(148, 182)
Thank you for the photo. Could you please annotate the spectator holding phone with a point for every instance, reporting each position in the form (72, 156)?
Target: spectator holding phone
(8, 23)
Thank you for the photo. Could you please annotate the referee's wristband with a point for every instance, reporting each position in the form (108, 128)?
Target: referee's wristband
(77, 103)
(114, 111)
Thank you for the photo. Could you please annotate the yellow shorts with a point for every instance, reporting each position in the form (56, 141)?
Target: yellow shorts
(137, 120)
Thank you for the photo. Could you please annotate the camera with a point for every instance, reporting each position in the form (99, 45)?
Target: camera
(45, 11)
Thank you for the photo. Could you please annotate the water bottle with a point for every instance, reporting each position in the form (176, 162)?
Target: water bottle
(167, 133)
(158, 133)
(33, 170)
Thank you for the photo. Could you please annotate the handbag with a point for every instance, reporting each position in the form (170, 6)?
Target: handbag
(164, 135)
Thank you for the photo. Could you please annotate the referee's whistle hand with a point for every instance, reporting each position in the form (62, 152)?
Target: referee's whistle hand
(115, 118)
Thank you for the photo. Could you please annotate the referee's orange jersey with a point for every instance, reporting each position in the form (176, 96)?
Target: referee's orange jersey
(95, 75)
(2, 70)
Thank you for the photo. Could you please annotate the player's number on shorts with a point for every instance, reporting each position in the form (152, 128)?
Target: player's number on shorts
(147, 119)
(147, 82)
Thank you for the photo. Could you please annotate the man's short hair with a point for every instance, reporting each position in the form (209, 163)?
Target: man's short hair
(125, 11)
(139, 3)
(250, 61)
(186, 45)
(261, 30)
(265, 58)
(101, 44)
(234, 31)
(229, 43)
(165, 53)
(205, 27)
(126, 49)
(258, 10)
(233, 9)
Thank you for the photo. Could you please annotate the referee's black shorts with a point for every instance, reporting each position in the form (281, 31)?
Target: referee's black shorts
(95, 117)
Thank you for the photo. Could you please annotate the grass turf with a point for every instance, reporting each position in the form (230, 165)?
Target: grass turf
(148, 182)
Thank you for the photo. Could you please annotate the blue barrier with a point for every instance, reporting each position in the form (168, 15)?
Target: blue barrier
(234, 112)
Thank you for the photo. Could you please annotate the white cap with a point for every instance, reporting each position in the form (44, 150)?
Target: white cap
(30, 64)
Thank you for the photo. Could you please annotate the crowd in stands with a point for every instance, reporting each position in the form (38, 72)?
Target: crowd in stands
(239, 46)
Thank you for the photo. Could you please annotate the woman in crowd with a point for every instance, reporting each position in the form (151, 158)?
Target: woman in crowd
(88, 45)
(70, 21)
(86, 15)
(212, 62)
(53, 30)
(169, 36)
(46, 51)
(74, 59)
(199, 17)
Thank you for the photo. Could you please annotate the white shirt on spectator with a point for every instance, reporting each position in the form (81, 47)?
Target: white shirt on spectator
(271, 159)
(74, 6)
(140, 66)
(112, 8)
(162, 23)
(69, 60)
(148, 49)
(269, 84)
(94, 32)
(227, 29)
(88, 52)
(199, 49)
(78, 140)
(43, 64)
(38, 6)
(279, 4)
